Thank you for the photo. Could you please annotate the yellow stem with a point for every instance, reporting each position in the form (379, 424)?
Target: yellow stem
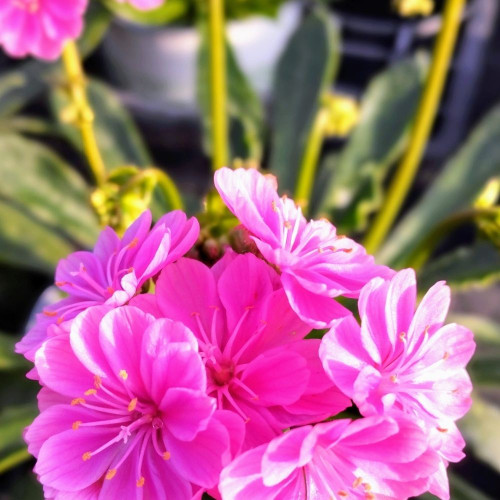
(218, 84)
(424, 120)
(15, 458)
(84, 113)
(305, 181)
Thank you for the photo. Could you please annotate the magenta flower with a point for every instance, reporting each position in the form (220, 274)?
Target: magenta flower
(257, 363)
(370, 458)
(315, 263)
(39, 27)
(115, 271)
(137, 422)
(402, 360)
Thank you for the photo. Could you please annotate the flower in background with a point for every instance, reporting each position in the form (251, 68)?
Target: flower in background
(374, 457)
(315, 264)
(252, 343)
(410, 8)
(115, 271)
(402, 360)
(137, 420)
(343, 114)
(39, 27)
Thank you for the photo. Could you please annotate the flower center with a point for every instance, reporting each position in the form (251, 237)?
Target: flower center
(221, 373)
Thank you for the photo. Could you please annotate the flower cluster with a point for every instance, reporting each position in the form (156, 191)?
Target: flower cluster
(163, 377)
(41, 27)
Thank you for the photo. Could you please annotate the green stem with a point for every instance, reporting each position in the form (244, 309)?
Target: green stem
(218, 85)
(84, 113)
(15, 458)
(426, 114)
(305, 181)
(423, 252)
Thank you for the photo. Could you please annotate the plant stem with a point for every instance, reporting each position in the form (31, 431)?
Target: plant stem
(305, 181)
(424, 120)
(218, 85)
(422, 253)
(84, 113)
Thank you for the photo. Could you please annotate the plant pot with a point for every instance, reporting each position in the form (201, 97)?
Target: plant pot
(158, 65)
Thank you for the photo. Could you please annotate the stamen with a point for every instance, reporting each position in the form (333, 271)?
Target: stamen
(123, 374)
(51, 314)
(140, 482)
(132, 244)
(76, 425)
(394, 378)
(342, 493)
(234, 334)
(77, 401)
(90, 392)
(97, 382)
(166, 455)
(86, 456)
(446, 355)
(357, 482)
(110, 474)
(234, 405)
(442, 429)
(131, 406)
(237, 381)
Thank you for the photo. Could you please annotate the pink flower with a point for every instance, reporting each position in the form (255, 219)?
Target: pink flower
(137, 422)
(370, 458)
(115, 271)
(402, 360)
(257, 362)
(315, 263)
(143, 4)
(39, 27)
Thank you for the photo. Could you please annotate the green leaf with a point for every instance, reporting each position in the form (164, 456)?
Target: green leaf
(171, 11)
(462, 268)
(245, 112)
(118, 138)
(455, 189)
(27, 243)
(47, 188)
(97, 21)
(9, 360)
(481, 428)
(387, 108)
(304, 73)
(20, 86)
(13, 420)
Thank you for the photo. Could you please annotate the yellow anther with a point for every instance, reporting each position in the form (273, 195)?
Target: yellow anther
(131, 406)
(90, 392)
(410, 8)
(60, 283)
(446, 355)
(140, 482)
(77, 401)
(288, 224)
(442, 429)
(273, 206)
(166, 455)
(357, 482)
(97, 382)
(51, 314)
(86, 456)
(130, 270)
(402, 336)
(346, 250)
(123, 374)
(342, 493)
(110, 290)
(60, 320)
(367, 486)
(110, 474)
(76, 425)
(394, 378)
(369, 496)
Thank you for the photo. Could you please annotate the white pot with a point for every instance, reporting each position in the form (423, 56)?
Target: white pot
(159, 64)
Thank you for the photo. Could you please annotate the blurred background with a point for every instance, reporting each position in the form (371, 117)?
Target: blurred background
(147, 79)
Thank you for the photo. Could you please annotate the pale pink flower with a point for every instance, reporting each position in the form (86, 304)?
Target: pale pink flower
(405, 360)
(39, 27)
(138, 422)
(371, 458)
(315, 264)
(115, 271)
(252, 343)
